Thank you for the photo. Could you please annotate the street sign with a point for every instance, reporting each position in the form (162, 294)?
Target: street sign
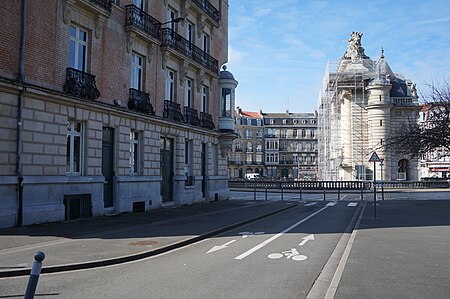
(374, 157)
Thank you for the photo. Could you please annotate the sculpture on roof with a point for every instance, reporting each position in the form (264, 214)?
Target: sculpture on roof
(355, 50)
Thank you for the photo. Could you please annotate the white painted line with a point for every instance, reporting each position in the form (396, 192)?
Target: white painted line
(262, 244)
(309, 204)
(331, 204)
(352, 204)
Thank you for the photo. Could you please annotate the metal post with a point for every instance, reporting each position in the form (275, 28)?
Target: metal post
(282, 197)
(339, 193)
(301, 199)
(254, 192)
(34, 275)
(382, 191)
(374, 191)
(324, 192)
(266, 192)
(362, 192)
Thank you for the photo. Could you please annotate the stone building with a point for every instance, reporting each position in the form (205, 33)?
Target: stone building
(361, 104)
(275, 145)
(112, 106)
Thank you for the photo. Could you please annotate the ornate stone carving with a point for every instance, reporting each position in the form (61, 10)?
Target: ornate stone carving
(99, 22)
(355, 51)
(201, 25)
(151, 52)
(200, 79)
(183, 72)
(67, 11)
(129, 37)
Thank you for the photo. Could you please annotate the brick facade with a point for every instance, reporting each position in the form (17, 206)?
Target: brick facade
(48, 107)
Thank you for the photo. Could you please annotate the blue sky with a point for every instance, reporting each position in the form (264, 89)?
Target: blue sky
(279, 49)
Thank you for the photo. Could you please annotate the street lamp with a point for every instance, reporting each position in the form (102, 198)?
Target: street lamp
(177, 20)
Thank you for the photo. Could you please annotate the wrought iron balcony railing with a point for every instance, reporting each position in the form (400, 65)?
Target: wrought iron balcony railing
(191, 116)
(143, 21)
(172, 39)
(172, 111)
(106, 4)
(140, 101)
(209, 9)
(206, 121)
(81, 84)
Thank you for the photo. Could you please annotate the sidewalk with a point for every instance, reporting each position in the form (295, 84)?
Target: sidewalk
(104, 241)
(402, 253)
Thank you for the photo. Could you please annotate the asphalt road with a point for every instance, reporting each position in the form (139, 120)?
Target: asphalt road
(277, 257)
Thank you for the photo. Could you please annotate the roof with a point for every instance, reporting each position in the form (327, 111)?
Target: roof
(224, 74)
(250, 114)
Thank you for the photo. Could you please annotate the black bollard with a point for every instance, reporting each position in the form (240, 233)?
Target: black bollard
(34, 275)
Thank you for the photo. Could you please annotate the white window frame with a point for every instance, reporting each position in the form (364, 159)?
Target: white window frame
(134, 152)
(205, 98)
(72, 134)
(137, 71)
(170, 85)
(188, 94)
(206, 40)
(78, 43)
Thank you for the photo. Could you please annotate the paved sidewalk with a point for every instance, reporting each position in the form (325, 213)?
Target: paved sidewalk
(402, 253)
(108, 240)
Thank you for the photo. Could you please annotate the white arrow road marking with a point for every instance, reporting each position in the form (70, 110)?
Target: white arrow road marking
(262, 244)
(352, 204)
(215, 248)
(310, 204)
(306, 239)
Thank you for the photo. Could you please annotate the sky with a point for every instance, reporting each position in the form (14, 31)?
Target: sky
(279, 49)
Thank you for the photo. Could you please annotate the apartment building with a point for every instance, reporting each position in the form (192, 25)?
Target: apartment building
(112, 106)
(275, 145)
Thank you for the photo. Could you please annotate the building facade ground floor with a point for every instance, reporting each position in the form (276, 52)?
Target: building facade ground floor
(80, 158)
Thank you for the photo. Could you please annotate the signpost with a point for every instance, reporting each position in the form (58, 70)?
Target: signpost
(374, 158)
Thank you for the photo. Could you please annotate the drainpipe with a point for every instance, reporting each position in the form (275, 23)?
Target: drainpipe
(19, 117)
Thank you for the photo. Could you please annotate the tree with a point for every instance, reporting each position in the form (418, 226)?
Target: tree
(429, 134)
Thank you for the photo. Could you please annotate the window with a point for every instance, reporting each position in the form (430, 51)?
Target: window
(78, 48)
(189, 33)
(381, 122)
(295, 158)
(259, 148)
(283, 133)
(295, 146)
(284, 121)
(171, 15)
(170, 85)
(312, 133)
(134, 152)
(74, 147)
(272, 158)
(272, 132)
(272, 145)
(248, 134)
(136, 72)
(313, 146)
(205, 98)
(188, 96)
(139, 4)
(205, 43)
(258, 134)
(304, 121)
(304, 158)
(303, 146)
(313, 159)
(188, 160)
(303, 133)
(215, 159)
(226, 102)
(294, 133)
(249, 147)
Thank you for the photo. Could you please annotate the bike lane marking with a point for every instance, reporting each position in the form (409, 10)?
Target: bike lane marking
(264, 243)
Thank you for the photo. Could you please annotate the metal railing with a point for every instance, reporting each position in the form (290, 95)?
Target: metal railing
(172, 39)
(81, 84)
(206, 121)
(140, 101)
(172, 111)
(191, 116)
(106, 4)
(208, 8)
(142, 20)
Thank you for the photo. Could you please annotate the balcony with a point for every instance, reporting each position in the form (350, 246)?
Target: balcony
(191, 116)
(143, 21)
(172, 111)
(140, 101)
(106, 4)
(173, 40)
(208, 8)
(206, 121)
(81, 84)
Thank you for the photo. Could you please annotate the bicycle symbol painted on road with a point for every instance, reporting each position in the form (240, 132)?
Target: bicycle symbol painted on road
(292, 254)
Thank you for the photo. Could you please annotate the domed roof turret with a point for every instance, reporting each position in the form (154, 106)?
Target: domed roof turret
(224, 74)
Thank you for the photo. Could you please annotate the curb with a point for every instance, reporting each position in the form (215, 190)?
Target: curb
(138, 256)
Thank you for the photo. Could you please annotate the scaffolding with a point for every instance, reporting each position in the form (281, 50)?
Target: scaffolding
(342, 121)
